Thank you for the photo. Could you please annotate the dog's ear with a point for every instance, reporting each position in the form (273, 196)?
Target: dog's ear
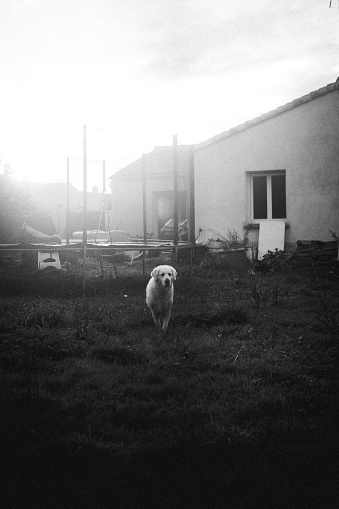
(174, 274)
(155, 273)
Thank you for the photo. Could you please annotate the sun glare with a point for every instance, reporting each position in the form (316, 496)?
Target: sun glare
(120, 131)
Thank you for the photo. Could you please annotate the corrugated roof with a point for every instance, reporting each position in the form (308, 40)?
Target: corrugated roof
(332, 87)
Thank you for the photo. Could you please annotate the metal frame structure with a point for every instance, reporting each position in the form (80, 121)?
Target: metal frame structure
(143, 245)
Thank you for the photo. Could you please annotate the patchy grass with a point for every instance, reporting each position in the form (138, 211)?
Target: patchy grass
(234, 407)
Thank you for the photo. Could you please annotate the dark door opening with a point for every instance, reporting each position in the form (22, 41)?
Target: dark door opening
(164, 211)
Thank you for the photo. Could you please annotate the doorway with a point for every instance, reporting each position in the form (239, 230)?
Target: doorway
(164, 214)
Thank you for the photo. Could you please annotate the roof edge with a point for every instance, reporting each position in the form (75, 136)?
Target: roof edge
(332, 87)
(156, 150)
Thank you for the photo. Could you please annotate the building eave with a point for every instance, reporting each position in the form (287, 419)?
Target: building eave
(134, 169)
(332, 87)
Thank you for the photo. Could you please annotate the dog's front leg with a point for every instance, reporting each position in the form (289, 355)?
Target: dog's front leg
(166, 320)
(156, 319)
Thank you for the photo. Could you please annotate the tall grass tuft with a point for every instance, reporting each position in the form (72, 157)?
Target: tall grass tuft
(81, 317)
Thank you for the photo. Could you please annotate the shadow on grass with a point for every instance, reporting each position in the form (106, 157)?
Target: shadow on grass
(40, 469)
(276, 474)
(118, 355)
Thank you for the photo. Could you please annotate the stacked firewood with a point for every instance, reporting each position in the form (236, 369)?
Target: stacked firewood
(315, 252)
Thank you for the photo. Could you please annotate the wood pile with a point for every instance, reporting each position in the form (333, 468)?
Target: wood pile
(315, 252)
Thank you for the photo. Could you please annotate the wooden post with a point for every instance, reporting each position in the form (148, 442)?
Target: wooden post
(84, 210)
(144, 208)
(175, 197)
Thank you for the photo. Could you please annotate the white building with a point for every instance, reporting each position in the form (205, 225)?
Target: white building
(281, 166)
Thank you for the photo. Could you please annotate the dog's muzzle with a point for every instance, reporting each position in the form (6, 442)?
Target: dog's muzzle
(167, 282)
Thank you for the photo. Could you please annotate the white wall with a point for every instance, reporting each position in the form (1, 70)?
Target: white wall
(304, 141)
(126, 189)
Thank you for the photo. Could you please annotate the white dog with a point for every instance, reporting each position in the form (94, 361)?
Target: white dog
(159, 294)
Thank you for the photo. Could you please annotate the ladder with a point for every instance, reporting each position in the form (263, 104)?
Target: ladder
(107, 262)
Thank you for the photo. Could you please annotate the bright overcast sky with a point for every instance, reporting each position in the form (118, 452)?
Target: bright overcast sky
(138, 71)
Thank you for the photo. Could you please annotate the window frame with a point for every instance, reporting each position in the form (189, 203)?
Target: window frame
(268, 174)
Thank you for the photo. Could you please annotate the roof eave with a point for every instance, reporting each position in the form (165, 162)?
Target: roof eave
(332, 87)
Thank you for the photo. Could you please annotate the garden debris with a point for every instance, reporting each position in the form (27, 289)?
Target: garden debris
(226, 259)
(273, 261)
(30, 234)
(167, 231)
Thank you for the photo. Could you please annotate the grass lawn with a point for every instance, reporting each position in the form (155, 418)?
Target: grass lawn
(234, 408)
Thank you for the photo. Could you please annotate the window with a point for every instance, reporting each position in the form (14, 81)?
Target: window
(268, 195)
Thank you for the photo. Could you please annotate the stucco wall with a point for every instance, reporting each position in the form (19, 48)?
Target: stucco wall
(304, 141)
(127, 205)
(126, 189)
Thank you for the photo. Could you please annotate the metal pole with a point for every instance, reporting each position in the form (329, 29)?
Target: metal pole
(67, 214)
(191, 197)
(67, 204)
(144, 209)
(175, 197)
(107, 222)
(191, 208)
(104, 176)
(84, 237)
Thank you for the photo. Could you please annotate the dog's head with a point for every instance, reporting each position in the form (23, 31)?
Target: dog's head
(165, 274)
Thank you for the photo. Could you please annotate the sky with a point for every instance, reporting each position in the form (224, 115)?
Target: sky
(136, 72)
